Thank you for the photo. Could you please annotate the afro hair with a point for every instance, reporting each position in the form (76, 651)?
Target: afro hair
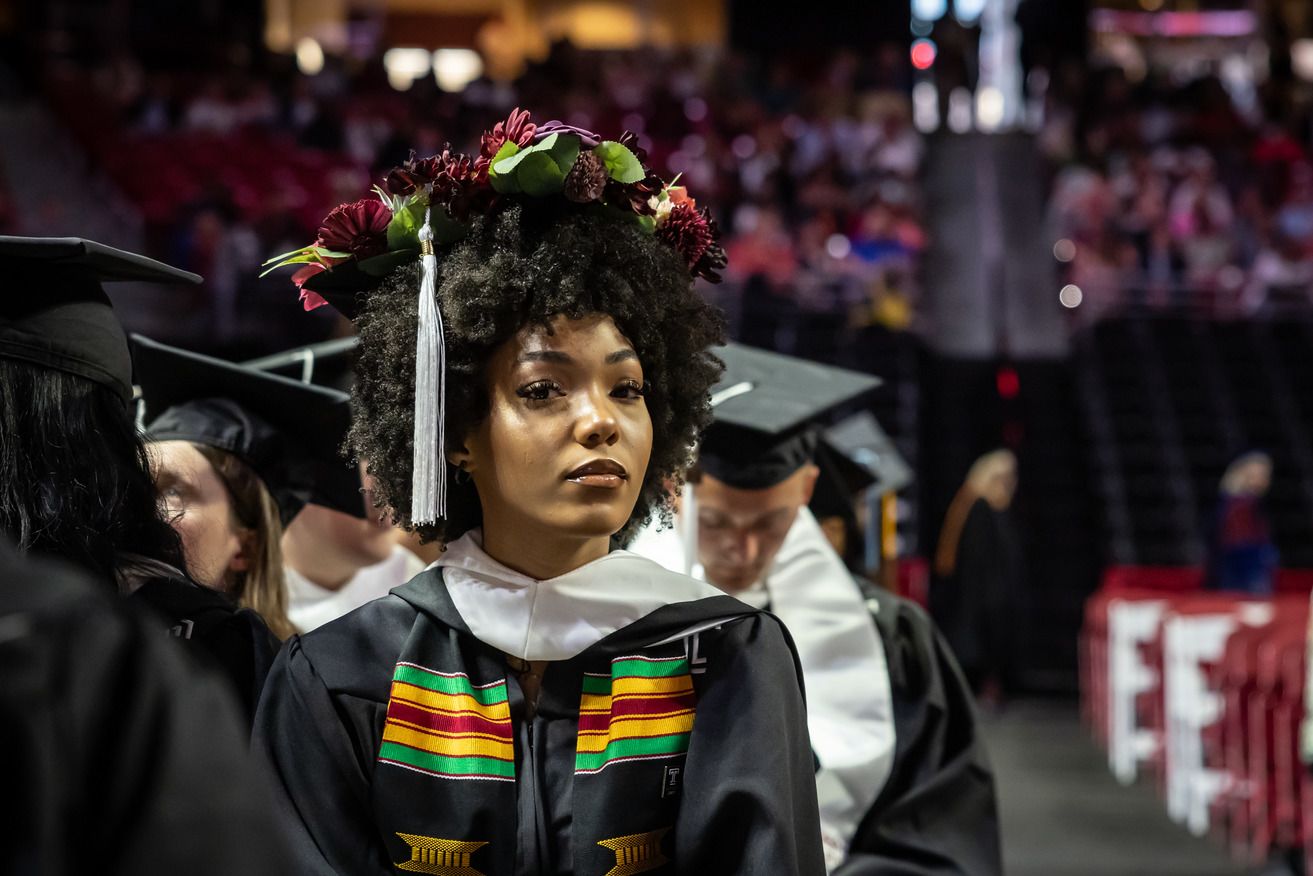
(520, 266)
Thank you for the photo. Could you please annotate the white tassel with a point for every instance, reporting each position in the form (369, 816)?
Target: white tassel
(428, 501)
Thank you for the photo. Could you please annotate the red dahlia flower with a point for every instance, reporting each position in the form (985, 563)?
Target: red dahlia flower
(414, 174)
(694, 235)
(517, 129)
(359, 228)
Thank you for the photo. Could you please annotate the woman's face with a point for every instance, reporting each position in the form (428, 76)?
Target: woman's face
(199, 508)
(567, 439)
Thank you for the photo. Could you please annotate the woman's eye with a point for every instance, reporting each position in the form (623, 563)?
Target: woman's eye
(631, 389)
(542, 390)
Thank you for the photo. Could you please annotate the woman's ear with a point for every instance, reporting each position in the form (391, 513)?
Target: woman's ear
(461, 458)
(246, 545)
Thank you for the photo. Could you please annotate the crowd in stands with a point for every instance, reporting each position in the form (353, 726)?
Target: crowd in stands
(811, 173)
(1172, 195)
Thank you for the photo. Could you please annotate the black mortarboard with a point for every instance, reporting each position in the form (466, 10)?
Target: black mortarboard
(330, 363)
(289, 432)
(869, 458)
(767, 407)
(54, 312)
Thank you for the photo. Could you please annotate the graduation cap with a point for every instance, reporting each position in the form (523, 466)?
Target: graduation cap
(767, 408)
(54, 311)
(865, 455)
(288, 432)
(855, 456)
(330, 363)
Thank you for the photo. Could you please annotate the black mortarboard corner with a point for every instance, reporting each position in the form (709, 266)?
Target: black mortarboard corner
(767, 409)
(289, 432)
(329, 363)
(55, 313)
(866, 455)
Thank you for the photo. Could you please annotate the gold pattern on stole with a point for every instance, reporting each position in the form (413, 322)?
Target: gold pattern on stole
(636, 853)
(442, 857)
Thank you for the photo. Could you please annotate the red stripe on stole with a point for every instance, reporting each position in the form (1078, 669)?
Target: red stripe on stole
(636, 708)
(448, 723)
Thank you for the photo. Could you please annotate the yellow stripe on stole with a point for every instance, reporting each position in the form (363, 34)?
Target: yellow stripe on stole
(635, 686)
(476, 746)
(595, 741)
(462, 703)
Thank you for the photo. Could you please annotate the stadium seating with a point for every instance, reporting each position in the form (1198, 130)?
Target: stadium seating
(1204, 692)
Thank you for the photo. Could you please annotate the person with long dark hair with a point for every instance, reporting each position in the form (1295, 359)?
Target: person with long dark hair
(76, 479)
(538, 701)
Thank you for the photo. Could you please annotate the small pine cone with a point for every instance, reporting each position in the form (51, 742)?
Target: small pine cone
(587, 180)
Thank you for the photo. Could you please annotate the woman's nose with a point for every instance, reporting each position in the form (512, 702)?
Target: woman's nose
(597, 425)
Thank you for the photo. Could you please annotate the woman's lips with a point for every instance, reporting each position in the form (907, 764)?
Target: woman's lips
(604, 473)
(609, 481)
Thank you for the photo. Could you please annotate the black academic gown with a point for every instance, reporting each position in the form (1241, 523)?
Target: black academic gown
(727, 788)
(118, 755)
(977, 607)
(235, 641)
(937, 812)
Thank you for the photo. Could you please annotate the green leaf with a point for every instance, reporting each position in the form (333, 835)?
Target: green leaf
(504, 184)
(303, 257)
(621, 164)
(564, 151)
(445, 228)
(507, 149)
(382, 265)
(539, 176)
(295, 252)
(403, 230)
(507, 165)
(647, 223)
(325, 253)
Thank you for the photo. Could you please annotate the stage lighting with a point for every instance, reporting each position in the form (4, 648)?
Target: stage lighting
(923, 53)
(989, 108)
(456, 68)
(309, 56)
(405, 65)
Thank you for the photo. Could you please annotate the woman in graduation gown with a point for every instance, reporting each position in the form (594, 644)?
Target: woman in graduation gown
(536, 702)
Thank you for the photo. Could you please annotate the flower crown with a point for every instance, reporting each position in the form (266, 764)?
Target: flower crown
(361, 242)
(429, 202)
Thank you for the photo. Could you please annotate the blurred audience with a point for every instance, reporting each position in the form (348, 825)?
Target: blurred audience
(811, 173)
(1178, 195)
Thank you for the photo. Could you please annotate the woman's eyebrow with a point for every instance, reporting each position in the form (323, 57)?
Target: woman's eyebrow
(544, 356)
(625, 355)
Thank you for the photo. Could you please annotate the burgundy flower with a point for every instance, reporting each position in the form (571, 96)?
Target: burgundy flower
(695, 236)
(517, 128)
(461, 184)
(636, 196)
(359, 228)
(629, 140)
(587, 139)
(414, 174)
